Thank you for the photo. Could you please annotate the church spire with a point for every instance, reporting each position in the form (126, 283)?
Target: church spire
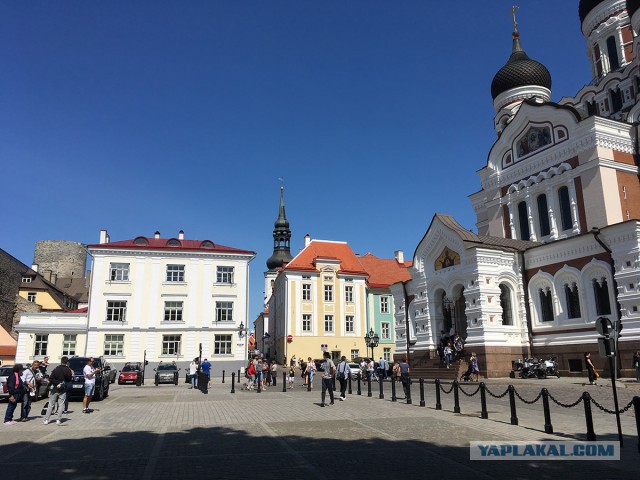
(281, 238)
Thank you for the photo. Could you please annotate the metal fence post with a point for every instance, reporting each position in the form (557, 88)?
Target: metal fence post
(591, 434)
(381, 396)
(233, 382)
(512, 403)
(409, 401)
(456, 397)
(483, 401)
(359, 381)
(222, 376)
(308, 383)
(393, 390)
(284, 381)
(368, 385)
(349, 380)
(422, 402)
(548, 428)
(438, 402)
(636, 410)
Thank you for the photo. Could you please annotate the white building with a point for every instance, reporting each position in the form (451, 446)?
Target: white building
(163, 297)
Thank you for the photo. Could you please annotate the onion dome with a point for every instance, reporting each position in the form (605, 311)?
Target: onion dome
(519, 71)
(586, 6)
(632, 7)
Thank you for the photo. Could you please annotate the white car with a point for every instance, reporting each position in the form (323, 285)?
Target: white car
(355, 369)
(4, 374)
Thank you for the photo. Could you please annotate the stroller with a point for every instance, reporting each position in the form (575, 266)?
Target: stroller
(472, 370)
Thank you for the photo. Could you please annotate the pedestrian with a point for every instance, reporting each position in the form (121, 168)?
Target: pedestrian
(441, 353)
(251, 375)
(475, 370)
(292, 376)
(329, 369)
(193, 373)
(30, 390)
(447, 354)
(258, 365)
(274, 373)
(89, 384)
(265, 372)
(342, 374)
(16, 388)
(206, 371)
(310, 371)
(458, 346)
(382, 368)
(404, 375)
(44, 364)
(591, 369)
(636, 364)
(293, 360)
(59, 380)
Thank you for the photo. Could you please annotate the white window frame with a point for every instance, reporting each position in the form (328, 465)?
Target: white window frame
(386, 353)
(171, 345)
(224, 311)
(114, 343)
(40, 345)
(225, 274)
(69, 344)
(348, 293)
(385, 330)
(307, 323)
(173, 311)
(328, 293)
(222, 344)
(349, 324)
(175, 273)
(328, 321)
(119, 272)
(355, 353)
(306, 292)
(118, 313)
(28, 279)
(31, 297)
(385, 303)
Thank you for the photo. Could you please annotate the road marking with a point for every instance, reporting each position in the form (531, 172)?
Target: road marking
(153, 458)
(312, 470)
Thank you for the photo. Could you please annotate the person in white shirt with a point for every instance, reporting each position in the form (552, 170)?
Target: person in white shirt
(29, 381)
(193, 373)
(89, 384)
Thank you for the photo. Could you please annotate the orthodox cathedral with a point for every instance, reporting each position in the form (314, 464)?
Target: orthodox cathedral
(558, 217)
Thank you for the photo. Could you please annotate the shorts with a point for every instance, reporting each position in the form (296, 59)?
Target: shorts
(291, 379)
(88, 389)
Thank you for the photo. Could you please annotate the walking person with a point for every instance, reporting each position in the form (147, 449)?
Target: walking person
(310, 371)
(44, 364)
(293, 361)
(89, 384)
(396, 372)
(329, 369)
(274, 373)
(251, 375)
(30, 389)
(206, 371)
(636, 364)
(16, 387)
(404, 375)
(258, 364)
(473, 366)
(342, 373)
(591, 369)
(447, 354)
(193, 373)
(58, 381)
(382, 368)
(292, 376)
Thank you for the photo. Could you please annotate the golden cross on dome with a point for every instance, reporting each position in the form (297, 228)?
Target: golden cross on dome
(514, 9)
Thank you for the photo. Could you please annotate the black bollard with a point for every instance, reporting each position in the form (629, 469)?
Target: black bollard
(349, 380)
(483, 401)
(422, 402)
(636, 410)
(393, 390)
(259, 382)
(512, 402)
(438, 403)
(409, 391)
(308, 383)
(233, 382)
(203, 382)
(548, 428)
(284, 381)
(359, 379)
(238, 377)
(591, 434)
(222, 376)
(381, 396)
(368, 385)
(456, 397)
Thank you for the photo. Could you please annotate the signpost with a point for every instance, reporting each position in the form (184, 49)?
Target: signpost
(607, 347)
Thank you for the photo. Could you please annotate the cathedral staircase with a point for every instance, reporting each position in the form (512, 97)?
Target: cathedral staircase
(430, 369)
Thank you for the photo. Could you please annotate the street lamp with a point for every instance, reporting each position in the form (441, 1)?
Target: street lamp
(371, 339)
(242, 334)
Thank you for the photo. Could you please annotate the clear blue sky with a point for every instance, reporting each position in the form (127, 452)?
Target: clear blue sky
(168, 115)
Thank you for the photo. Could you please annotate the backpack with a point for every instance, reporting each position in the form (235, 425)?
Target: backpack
(265, 367)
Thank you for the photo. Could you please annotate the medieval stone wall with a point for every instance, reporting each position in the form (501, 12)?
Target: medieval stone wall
(65, 259)
(11, 270)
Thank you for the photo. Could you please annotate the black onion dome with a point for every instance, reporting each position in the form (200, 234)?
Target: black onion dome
(586, 6)
(632, 7)
(519, 71)
(278, 258)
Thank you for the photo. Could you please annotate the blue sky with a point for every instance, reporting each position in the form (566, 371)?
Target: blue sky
(168, 115)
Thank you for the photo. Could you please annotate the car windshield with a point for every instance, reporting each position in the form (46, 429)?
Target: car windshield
(5, 371)
(354, 365)
(77, 364)
(166, 367)
(130, 368)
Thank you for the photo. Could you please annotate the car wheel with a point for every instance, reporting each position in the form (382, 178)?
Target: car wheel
(99, 395)
(106, 393)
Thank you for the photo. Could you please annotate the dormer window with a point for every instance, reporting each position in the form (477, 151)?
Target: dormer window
(174, 242)
(26, 279)
(207, 244)
(141, 241)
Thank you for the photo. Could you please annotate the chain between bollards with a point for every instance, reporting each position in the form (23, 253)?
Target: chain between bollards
(483, 401)
(456, 397)
(512, 403)
(548, 428)
(222, 376)
(381, 396)
(393, 390)
(233, 382)
(438, 402)
(586, 400)
(422, 402)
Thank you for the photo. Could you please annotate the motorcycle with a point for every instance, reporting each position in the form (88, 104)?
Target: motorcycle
(531, 368)
(550, 367)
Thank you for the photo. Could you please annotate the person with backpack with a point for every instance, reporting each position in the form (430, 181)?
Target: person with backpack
(342, 374)
(251, 375)
(59, 379)
(309, 372)
(328, 370)
(15, 389)
(30, 389)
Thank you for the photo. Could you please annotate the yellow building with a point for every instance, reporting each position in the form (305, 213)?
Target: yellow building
(42, 291)
(318, 303)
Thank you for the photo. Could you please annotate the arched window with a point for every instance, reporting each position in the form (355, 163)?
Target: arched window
(565, 208)
(572, 298)
(543, 215)
(506, 304)
(523, 219)
(612, 53)
(601, 294)
(546, 305)
(616, 100)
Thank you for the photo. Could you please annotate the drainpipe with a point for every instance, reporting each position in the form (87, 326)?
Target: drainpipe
(527, 306)
(595, 231)
(406, 319)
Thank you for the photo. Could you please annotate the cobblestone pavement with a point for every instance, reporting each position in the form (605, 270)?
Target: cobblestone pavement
(173, 432)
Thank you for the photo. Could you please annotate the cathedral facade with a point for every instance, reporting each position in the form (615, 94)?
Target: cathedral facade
(558, 217)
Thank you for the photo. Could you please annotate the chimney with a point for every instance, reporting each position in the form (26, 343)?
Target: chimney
(181, 235)
(103, 236)
(307, 240)
(157, 234)
(34, 267)
(54, 278)
(47, 275)
(399, 254)
(108, 238)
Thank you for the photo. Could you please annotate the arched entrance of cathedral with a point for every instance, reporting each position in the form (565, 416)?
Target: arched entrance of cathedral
(453, 309)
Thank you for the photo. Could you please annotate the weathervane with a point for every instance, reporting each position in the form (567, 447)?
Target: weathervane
(514, 9)
(281, 179)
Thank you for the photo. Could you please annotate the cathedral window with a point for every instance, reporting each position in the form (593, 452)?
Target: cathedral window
(592, 108)
(572, 298)
(616, 100)
(565, 208)
(523, 220)
(612, 53)
(601, 295)
(546, 304)
(543, 215)
(506, 304)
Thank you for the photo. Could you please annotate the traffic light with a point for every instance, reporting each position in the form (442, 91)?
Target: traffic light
(603, 324)
(606, 347)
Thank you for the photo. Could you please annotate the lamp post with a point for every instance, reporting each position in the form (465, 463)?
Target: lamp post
(371, 339)
(242, 334)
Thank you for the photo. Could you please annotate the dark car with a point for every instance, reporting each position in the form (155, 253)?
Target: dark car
(167, 373)
(131, 374)
(112, 373)
(76, 364)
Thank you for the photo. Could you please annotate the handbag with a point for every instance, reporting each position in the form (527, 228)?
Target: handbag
(596, 373)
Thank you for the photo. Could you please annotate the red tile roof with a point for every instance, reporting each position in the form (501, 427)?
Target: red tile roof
(8, 350)
(80, 310)
(322, 249)
(384, 272)
(146, 243)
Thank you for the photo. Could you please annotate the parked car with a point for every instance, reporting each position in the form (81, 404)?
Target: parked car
(130, 374)
(166, 373)
(355, 369)
(4, 374)
(42, 382)
(77, 383)
(111, 372)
